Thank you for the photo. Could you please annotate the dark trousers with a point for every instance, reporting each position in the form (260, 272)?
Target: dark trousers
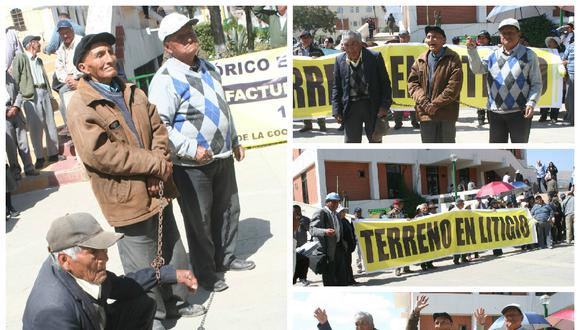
(360, 113)
(438, 131)
(348, 265)
(301, 269)
(510, 125)
(136, 313)
(138, 248)
(336, 273)
(211, 211)
(481, 115)
(541, 181)
(544, 234)
(569, 117)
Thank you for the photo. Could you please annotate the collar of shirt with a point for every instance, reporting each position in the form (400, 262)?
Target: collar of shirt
(113, 87)
(30, 57)
(508, 53)
(438, 55)
(283, 18)
(93, 290)
(354, 63)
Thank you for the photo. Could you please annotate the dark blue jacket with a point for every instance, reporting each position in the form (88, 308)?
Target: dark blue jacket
(376, 77)
(57, 302)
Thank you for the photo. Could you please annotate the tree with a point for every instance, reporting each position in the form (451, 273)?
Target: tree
(217, 30)
(314, 18)
(249, 27)
(536, 29)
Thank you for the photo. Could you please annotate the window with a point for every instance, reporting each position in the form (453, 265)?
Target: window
(304, 188)
(339, 10)
(352, 9)
(355, 23)
(357, 9)
(18, 19)
(394, 181)
(432, 180)
(369, 9)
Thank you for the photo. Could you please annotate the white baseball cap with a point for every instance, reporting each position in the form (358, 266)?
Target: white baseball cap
(172, 23)
(509, 22)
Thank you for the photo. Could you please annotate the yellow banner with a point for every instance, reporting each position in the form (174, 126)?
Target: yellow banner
(396, 243)
(313, 79)
(255, 88)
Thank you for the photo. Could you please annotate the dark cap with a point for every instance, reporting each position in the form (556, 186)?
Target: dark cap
(28, 39)
(430, 28)
(445, 315)
(79, 229)
(357, 209)
(484, 33)
(87, 41)
(62, 24)
(305, 33)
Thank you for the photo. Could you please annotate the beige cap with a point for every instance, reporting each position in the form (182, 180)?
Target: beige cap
(79, 229)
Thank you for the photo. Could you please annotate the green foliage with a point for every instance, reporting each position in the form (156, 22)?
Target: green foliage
(205, 37)
(536, 29)
(262, 34)
(236, 35)
(314, 18)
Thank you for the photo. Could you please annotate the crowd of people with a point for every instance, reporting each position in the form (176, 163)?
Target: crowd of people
(362, 93)
(140, 151)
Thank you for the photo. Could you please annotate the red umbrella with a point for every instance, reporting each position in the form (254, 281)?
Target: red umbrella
(563, 319)
(494, 188)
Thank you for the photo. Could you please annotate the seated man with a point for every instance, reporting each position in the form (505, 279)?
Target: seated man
(73, 285)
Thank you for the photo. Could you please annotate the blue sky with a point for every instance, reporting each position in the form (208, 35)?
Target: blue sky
(562, 158)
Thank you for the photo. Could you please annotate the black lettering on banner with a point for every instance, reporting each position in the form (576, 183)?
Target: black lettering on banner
(381, 244)
(394, 239)
(503, 228)
(482, 236)
(410, 62)
(433, 236)
(544, 73)
(470, 76)
(446, 233)
(421, 238)
(397, 76)
(469, 231)
(511, 232)
(366, 235)
(495, 221)
(489, 230)
(329, 74)
(524, 226)
(315, 85)
(459, 231)
(299, 96)
(282, 61)
(409, 240)
(484, 84)
(263, 64)
(230, 69)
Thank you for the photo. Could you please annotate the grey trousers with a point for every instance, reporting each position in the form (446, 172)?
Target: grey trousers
(17, 144)
(41, 121)
(544, 234)
(569, 227)
(138, 248)
(61, 93)
(438, 131)
(211, 210)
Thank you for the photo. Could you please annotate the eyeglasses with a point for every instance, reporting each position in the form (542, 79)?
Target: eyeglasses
(184, 35)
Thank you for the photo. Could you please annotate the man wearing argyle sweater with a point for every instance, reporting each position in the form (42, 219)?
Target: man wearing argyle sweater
(514, 84)
(190, 100)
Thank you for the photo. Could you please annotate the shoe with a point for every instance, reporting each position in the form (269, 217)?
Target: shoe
(13, 213)
(305, 129)
(542, 119)
(415, 124)
(398, 126)
(431, 266)
(39, 163)
(341, 128)
(31, 173)
(217, 286)
(157, 325)
(553, 121)
(359, 271)
(17, 176)
(424, 266)
(239, 264)
(464, 260)
(56, 158)
(481, 122)
(304, 282)
(192, 310)
(407, 270)
(398, 272)
(323, 128)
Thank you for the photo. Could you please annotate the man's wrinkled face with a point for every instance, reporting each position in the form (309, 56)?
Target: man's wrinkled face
(100, 63)
(34, 46)
(66, 35)
(328, 44)
(424, 208)
(352, 48)
(435, 41)
(183, 44)
(363, 325)
(306, 41)
(513, 318)
(443, 323)
(332, 205)
(404, 38)
(509, 37)
(90, 265)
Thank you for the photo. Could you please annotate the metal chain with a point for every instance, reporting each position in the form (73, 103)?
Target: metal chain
(413, 105)
(201, 327)
(159, 261)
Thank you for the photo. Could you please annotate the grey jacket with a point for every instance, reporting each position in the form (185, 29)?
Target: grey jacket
(321, 221)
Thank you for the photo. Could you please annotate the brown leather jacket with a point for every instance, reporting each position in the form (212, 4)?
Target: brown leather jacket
(447, 83)
(117, 165)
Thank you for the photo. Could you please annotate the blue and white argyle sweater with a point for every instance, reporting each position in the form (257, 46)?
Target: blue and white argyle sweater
(194, 109)
(513, 81)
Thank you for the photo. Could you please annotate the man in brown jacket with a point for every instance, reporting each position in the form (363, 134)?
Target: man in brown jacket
(435, 84)
(123, 143)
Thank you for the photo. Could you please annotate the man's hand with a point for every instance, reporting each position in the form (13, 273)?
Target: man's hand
(422, 302)
(239, 153)
(320, 315)
(153, 186)
(338, 119)
(431, 109)
(382, 112)
(73, 84)
(203, 155)
(480, 315)
(330, 232)
(529, 112)
(12, 111)
(470, 43)
(186, 278)
(168, 172)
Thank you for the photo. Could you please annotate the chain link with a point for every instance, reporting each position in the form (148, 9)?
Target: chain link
(413, 105)
(201, 327)
(159, 261)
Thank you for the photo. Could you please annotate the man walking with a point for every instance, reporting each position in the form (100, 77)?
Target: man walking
(124, 147)
(190, 99)
(32, 82)
(361, 91)
(514, 84)
(435, 85)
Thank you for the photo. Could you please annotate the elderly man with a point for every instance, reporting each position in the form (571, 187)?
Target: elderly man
(514, 84)
(66, 72)
(404, 37)
(327, 229)
(277, 23)
(441, 321)
(55, 39)
(435, 84)
(513, 317)
(123, 144)
(542, 213)
(361, 91)
(73, 285)
(362, 320)
(190, 99)
(34, 88)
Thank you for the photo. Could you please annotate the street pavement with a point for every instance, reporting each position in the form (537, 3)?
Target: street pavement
(256, 299)
(539, 268)
(467, 131)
